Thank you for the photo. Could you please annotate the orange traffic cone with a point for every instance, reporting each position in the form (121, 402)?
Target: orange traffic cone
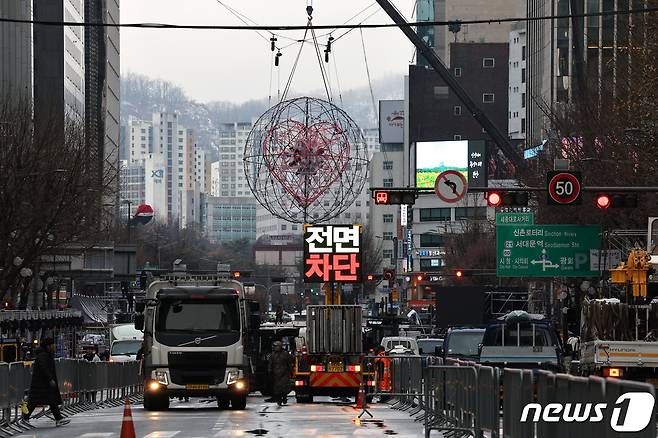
(361, 399)
(127, 427)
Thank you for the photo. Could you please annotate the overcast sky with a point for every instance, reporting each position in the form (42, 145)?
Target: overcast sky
(235, 65)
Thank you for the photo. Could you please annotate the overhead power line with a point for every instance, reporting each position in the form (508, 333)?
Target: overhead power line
(270, 28)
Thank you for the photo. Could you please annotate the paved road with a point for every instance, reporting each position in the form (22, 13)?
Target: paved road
(195, 419)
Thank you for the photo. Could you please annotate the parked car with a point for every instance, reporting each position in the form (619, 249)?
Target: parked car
(390, 342)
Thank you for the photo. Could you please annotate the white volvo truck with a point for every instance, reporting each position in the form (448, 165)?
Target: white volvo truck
(195, 331)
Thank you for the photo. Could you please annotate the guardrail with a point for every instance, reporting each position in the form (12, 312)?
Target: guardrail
(467, 399)
(83, 386)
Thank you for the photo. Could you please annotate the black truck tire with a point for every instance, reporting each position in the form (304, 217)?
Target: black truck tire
(304, 398)
(223, 402)
(153, 402)
(239, 402)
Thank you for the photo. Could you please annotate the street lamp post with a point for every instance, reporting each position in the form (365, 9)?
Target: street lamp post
(127, 201)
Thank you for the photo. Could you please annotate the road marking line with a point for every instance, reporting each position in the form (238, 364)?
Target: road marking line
(96, 435)
(162, 434)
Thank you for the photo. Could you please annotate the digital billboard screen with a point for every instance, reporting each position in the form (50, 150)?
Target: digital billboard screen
(434, 157)
(332, 253)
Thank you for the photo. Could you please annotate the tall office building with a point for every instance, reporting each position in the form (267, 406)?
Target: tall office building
(102, 90)
(16, 51)
(138, 142)
(230, 211)
(442, 10)
(516, 126)
(174, 167)
(169, 140)
(553, 48)
(59, 63)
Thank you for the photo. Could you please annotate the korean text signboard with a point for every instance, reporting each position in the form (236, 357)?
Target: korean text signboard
(332, 253)
(515, 218)
(477, 164)
(547, 250)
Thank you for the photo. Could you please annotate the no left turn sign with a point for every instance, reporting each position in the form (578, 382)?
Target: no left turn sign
(451, 186)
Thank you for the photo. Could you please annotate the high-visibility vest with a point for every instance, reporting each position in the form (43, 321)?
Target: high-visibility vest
(383, 372)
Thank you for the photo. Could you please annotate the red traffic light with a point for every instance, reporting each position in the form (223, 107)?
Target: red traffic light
(236, 274)
(381, 197)
(494, 199)
(459, 274)
(370, 277)
(419, 278)
(603, 201)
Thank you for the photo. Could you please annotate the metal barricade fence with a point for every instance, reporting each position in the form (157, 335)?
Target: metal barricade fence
(488, 408)
(466, 399)
(452, 399)
(517, 392)
(614, 389)
(82, 385)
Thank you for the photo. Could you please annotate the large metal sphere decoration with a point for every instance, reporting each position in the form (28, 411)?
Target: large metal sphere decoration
(306, 160)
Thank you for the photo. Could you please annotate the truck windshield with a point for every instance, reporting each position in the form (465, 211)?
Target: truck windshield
(198, 316)
(428, 346)
(126, 348)
(464, 343)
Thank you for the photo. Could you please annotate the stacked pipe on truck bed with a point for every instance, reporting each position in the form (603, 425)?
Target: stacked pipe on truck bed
(609, 319)
(334, 329)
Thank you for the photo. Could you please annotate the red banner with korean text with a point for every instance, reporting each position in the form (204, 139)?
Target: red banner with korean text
(332, 253)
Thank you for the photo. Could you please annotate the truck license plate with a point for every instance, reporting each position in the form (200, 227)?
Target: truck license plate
(196, 387)
(335, 367)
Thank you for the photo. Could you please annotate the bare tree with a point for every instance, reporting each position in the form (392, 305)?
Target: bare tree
(609, 132)
(50, 191)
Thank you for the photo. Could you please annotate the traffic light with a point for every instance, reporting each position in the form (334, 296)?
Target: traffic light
(395, 197)
(507, 199)
(389, 274)
(237, 274)
(420, 277)
(616, 200)
(459, 273)
(373, 277)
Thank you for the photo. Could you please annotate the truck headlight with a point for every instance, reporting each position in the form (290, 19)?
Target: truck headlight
(161, 377)
(232, 377)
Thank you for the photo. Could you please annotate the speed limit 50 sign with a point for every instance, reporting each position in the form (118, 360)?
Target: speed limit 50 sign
(564, 188)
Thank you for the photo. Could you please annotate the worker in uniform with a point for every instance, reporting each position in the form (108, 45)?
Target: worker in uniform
(383, 368)
(280, 370)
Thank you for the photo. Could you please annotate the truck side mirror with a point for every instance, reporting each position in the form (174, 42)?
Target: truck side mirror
(140, 306)
(139, 322)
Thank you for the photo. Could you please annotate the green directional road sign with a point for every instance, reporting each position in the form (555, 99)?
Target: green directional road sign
(547, 250)
(515, 218)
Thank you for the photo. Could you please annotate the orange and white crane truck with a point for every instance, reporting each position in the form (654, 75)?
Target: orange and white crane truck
(329, 362)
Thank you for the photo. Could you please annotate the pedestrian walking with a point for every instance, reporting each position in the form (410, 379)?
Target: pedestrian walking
(279, 314)
(44, 390)
(280, 369)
